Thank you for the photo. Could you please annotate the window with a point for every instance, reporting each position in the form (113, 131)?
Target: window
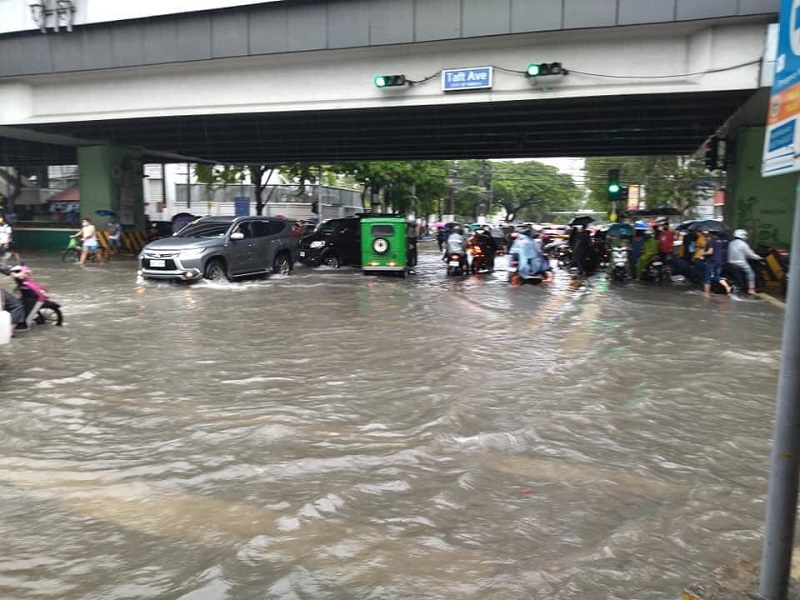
(204, 230)
(382, 230)
(267, 228)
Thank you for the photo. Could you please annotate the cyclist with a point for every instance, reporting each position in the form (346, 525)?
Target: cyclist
(88, 235)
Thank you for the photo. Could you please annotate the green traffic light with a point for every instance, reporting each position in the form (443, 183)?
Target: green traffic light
(613, 188)
(534, 70)
(380, 80)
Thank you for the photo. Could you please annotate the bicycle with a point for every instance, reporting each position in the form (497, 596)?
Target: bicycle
(72, 253)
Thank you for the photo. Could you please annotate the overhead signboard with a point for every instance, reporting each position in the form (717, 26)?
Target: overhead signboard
(472, 78)
(781, 143)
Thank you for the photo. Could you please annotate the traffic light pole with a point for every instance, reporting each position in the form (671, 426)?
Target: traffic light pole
(776, 557)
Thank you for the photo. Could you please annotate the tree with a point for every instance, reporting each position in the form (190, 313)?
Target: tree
(531, 190)
(667, 181)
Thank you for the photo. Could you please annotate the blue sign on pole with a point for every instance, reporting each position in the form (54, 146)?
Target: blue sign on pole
(242, 205)
(781, 148)
(473, 78)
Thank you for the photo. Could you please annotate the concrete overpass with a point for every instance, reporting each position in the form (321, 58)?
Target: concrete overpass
(293, 80)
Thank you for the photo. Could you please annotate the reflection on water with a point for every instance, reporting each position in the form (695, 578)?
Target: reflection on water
(330, 435)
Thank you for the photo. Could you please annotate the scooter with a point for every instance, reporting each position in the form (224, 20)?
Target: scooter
(39, 312)
(39, 308)
(479, 259)
(515, 278)
(620, 267)
(656, 270)
(457, 264)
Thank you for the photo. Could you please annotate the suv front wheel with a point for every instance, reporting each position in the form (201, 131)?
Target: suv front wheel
(282, 264)
(215, 271)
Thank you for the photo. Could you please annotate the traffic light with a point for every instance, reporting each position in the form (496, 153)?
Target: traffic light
(383, 81)
(542, 69)
(623, 194)
(613, 187)
(712, 154)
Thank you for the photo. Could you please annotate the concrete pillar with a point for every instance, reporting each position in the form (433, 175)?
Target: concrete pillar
(762, 206)
(111, 179)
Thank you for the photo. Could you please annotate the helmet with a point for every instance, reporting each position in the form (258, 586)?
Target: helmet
(458, 229)
(740, 234)
(21, 270)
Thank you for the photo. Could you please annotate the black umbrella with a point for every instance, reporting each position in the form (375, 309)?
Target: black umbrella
(584, 220)
(704, 225)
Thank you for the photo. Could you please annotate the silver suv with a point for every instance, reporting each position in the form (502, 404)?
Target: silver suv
(221, 247)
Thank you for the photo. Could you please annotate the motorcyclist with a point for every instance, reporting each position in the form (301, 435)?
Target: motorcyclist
(33, 295)
(457, 244)
(739, 253)
(490, 245)
(11, 303)
(531, 260)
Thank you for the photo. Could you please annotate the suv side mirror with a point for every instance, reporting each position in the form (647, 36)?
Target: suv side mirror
(237, 235)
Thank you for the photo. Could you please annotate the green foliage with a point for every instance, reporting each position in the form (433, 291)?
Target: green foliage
(219, 176)
(529, 191)
(674, 181)
(467, 188)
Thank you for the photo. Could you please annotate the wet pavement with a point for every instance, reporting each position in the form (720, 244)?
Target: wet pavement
(331, 435)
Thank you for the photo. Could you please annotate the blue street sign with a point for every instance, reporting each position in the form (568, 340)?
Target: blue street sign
(241, 205)
(473, 78)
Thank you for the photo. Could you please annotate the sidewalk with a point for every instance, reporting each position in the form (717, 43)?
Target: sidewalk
(738, 581)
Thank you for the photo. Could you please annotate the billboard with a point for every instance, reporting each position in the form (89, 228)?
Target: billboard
(781, 143)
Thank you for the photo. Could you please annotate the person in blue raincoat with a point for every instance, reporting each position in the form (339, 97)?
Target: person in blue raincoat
(531, 258)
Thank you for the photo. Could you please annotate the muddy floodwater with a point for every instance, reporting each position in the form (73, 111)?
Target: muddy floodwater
(328, 435)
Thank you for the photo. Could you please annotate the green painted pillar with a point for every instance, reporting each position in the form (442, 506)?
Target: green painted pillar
(764, 206)
(111, 179)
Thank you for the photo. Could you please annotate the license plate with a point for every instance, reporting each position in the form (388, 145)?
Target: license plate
(453, 263)
(302, 253)
(157, 262)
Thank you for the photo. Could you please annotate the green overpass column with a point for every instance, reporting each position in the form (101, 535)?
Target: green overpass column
(111, 179)
(762, 206)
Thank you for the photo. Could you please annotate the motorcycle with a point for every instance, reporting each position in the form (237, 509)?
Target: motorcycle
(457, 264)
(516, 278)
(620, 267)
(656, 270)
(480, 261)
(39, 308)
(39, 312)
(560, 251)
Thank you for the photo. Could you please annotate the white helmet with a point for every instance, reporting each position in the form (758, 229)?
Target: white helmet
(740, 234)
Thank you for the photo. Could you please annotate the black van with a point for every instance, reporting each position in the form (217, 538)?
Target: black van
(335, 242)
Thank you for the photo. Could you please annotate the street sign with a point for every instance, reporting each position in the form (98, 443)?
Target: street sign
(473, 78)
(781, 143)
(241, 205)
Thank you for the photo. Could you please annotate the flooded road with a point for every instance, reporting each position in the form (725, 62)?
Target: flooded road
(328, 435)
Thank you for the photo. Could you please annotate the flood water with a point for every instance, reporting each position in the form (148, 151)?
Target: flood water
(328, 435)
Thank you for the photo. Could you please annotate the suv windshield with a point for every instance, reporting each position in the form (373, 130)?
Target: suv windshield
(204, 230)
(327, 226)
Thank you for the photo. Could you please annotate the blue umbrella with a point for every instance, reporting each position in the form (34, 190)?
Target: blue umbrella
(620, 229)
(641, 225)
(105, 213)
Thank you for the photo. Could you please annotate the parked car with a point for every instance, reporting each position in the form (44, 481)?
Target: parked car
(220, 248)
(335, 242)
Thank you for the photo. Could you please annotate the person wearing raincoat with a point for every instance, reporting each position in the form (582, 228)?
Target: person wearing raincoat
(532, 260)
(649, 250)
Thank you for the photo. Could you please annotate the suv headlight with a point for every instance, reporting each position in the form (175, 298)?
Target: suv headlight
(191, 253)
(317, 244)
